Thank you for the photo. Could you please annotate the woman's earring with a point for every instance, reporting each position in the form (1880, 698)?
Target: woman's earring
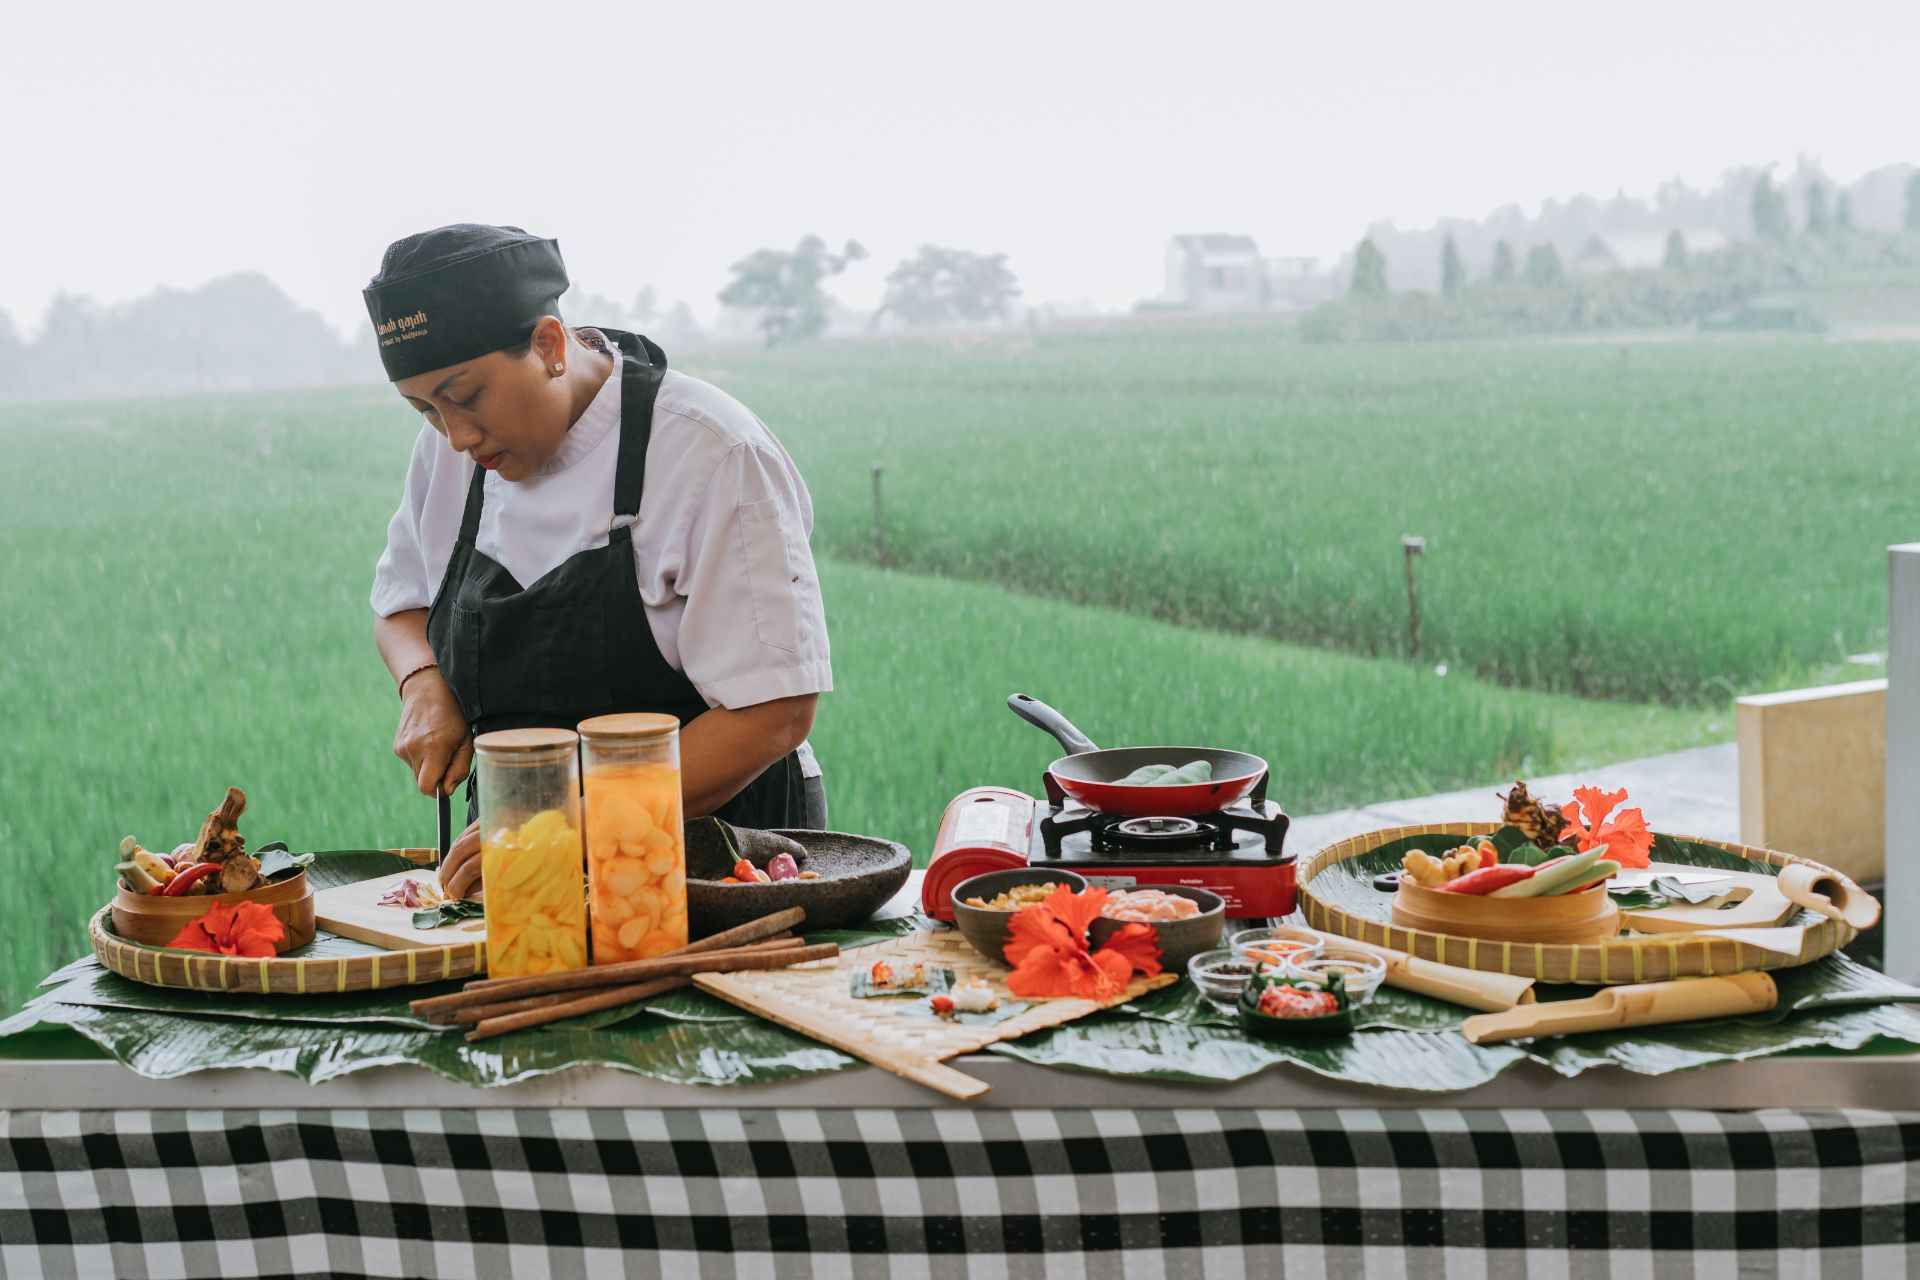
(559, 369)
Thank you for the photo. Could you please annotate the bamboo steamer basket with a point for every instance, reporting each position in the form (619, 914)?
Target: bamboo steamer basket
(1617, 959)
(157, 920)
(1586, 916)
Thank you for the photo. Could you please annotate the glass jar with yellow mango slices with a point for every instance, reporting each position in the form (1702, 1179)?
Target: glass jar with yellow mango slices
(531, 853)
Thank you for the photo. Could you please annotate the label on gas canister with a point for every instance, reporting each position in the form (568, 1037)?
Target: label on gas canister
(982, 823)
(1111, 883)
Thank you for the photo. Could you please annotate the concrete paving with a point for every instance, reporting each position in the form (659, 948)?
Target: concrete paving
(1687, 793)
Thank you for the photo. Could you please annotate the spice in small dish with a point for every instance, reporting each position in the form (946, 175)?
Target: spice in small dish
(1220, 975)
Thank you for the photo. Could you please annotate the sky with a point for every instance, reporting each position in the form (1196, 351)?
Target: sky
(168, 144)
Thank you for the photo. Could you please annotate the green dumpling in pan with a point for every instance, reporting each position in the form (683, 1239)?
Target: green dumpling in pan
(1166, 775)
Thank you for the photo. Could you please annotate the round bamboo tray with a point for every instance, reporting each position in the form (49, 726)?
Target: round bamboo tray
(157, 920)
(1633, 958)
(280, 975)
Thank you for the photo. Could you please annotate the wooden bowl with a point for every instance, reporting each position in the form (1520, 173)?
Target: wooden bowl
(986, 928)
(858, 875)
(1180, 940)
(157, 920)
(1581, 917)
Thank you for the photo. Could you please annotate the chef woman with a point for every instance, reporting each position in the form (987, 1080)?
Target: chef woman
(584, 531)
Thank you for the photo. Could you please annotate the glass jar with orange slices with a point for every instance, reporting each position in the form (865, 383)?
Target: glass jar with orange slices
(530, 850)
(636, 840)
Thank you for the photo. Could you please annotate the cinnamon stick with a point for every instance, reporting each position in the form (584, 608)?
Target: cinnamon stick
(632, 971)
(572, 1005)
(751, 931)
(499, 1009)
(471, 1014)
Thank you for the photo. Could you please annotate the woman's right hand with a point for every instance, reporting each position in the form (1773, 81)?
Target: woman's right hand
(432, 737)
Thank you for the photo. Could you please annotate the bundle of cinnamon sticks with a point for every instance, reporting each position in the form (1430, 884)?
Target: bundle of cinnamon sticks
(495, 1006)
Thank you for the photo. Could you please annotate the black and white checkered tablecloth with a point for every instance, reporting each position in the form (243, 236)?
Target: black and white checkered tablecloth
(816, 1193)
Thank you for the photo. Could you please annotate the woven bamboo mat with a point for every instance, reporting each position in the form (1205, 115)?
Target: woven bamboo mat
(896, 1032)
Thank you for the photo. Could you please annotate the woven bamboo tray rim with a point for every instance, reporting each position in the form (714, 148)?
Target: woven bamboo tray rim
(281, 975)
(1646, 958)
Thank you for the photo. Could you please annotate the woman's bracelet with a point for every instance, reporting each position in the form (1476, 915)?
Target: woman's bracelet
(401, 688)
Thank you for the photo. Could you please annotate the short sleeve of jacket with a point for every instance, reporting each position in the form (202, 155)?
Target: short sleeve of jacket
(753, 627)
(400, 578)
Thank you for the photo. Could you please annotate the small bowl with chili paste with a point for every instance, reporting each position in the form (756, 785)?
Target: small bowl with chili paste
(1277, 1008)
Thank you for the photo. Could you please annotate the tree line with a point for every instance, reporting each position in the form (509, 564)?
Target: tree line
(1538, 294)
(243, 332)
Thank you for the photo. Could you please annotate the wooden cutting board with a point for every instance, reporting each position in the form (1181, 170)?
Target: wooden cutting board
(1751, 901)
(354, 911)
(896, 1032)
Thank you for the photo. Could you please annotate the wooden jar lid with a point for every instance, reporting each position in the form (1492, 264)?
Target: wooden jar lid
(513, 741)
(629, 726)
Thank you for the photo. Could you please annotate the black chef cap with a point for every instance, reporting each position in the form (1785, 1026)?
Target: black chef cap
(457, 292)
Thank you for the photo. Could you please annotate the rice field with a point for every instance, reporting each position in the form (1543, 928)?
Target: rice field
(185, 607)
(1674, 521)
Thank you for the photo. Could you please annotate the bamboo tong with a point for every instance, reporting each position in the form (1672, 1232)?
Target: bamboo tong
(495, 1006)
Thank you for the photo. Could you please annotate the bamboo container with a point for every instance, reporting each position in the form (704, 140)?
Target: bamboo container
(1580, 917)
(1646, 1005)
(156, 919)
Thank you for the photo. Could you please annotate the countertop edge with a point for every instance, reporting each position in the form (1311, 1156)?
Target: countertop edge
(1868, 1082)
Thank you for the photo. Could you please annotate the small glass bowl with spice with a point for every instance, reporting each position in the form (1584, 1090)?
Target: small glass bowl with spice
(1220, 974)
(1278, 944)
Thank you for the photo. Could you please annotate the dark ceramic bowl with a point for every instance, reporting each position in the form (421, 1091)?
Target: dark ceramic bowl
(858, 874)
(987, 930)
(1180, 940)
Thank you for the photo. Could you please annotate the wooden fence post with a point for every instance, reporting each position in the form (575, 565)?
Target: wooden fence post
(1903, 762)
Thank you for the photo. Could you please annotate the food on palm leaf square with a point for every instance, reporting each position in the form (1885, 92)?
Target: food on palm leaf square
(216, 861)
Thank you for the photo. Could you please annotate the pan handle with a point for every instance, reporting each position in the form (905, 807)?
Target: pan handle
(1040, 715)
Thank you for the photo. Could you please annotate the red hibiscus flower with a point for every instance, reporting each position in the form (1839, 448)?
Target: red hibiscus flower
(1047, 947)
(1627, 839)
(233, 929)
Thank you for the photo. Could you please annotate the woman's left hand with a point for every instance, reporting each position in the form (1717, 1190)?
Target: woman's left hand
(460, 869)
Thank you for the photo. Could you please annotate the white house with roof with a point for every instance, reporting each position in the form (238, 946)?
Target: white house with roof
(1215, 272)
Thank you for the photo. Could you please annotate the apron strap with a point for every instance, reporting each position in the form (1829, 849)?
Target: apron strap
(642, 366)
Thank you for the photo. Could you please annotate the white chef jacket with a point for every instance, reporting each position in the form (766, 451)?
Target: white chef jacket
(720, 547)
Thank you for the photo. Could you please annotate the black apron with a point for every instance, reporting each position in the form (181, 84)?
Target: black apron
(576, 643)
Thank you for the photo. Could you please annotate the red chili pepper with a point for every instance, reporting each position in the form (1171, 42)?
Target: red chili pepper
(185, 880)
(1487, 879)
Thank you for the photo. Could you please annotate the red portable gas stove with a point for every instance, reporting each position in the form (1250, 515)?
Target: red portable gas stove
(1237, 851)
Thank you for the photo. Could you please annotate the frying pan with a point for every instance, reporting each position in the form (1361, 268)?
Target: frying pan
(1092, 776)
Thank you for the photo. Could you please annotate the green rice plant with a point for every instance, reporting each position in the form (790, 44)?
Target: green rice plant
(1656, 520)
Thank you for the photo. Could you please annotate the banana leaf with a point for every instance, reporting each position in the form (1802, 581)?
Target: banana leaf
(162, 1047)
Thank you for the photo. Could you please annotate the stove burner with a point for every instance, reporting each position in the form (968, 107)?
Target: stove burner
(1161, 829)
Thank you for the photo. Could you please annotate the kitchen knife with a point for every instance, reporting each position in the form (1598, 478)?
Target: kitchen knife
(446, 816)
